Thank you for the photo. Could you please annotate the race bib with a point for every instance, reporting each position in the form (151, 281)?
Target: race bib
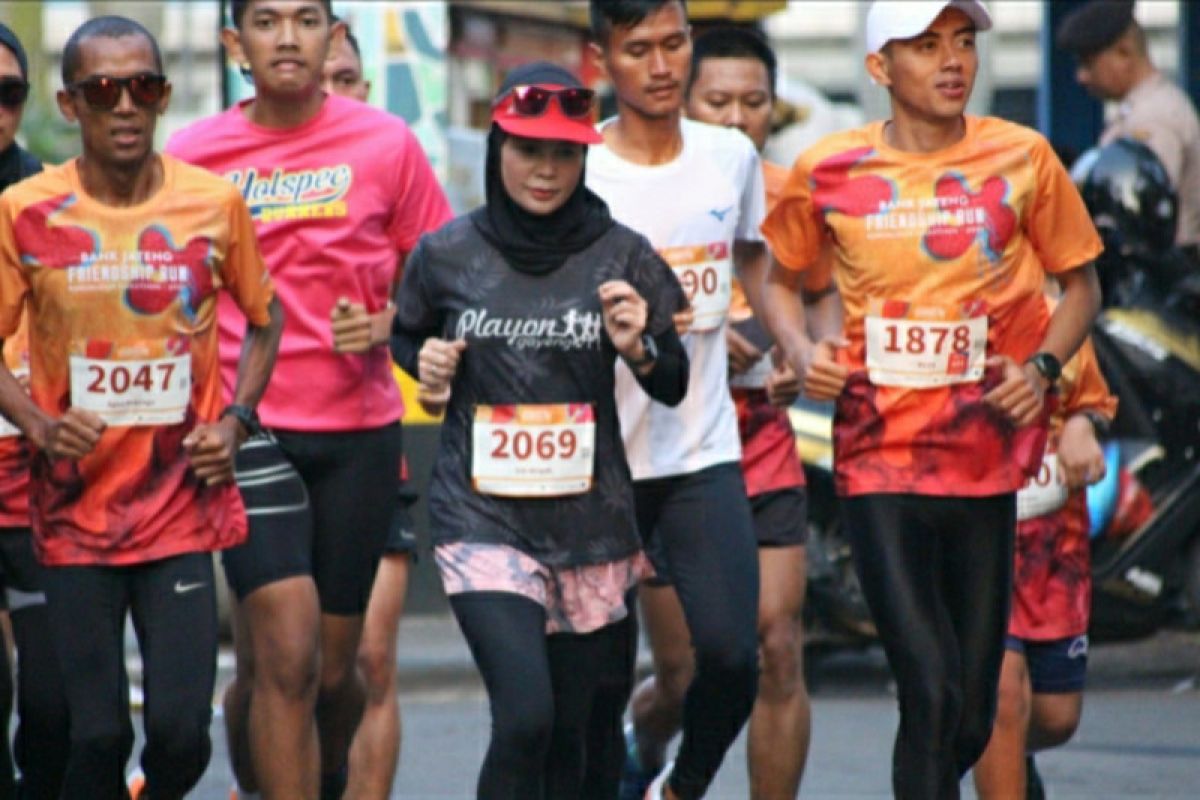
(706, 274)
(755, 377)
(132, 385)
(533, 450)
(7, 429)
(1045, 492)
(924, 346)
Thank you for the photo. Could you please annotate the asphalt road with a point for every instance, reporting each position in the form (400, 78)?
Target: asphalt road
(1140, 735)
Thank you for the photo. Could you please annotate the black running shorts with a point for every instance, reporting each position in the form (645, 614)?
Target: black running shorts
(319, 504)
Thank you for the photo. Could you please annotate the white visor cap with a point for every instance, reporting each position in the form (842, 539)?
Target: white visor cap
(904, 19)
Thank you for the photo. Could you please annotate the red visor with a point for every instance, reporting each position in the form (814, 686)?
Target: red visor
(542, 112)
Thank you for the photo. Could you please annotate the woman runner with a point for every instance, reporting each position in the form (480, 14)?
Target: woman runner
(512, 318)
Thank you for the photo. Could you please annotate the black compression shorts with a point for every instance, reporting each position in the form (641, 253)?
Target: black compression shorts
(319, 504)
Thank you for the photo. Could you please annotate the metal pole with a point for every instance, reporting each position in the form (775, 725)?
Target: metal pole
(1189, 49)
(1067, 116)
(222, 56)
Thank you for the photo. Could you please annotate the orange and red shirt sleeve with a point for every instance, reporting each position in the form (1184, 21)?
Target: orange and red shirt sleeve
(243, 273)
(14, 283)
(1059, 226)
(794, 228)
(1088, 390)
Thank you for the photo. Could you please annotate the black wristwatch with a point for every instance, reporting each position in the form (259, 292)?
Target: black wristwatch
(247, 416)
(1100, 423)
(649, 352)
(1048, 365)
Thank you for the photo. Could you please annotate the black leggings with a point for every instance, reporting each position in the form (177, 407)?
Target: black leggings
(173, 605)
(700, 533)
(605, 732)
(41, 741)
(540, 689)
(937, 575)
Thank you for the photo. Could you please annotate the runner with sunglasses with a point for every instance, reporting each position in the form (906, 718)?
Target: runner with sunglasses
(117, 258)
(40, 743)
(513, 317)
(943, 227)
(340, 192)
(691, 497)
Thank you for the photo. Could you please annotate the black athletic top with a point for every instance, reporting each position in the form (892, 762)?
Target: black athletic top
(535, 339)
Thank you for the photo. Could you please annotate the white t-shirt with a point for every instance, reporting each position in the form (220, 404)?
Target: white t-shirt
(692, 210)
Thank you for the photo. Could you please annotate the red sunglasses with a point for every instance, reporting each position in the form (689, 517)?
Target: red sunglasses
(532, 101)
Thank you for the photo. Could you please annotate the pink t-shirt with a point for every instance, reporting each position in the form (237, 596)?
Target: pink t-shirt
(336, 203)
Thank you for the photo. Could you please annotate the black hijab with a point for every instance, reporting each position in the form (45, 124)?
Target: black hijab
(536, 243)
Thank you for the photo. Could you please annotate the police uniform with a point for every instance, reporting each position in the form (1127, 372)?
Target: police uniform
(1155, 112)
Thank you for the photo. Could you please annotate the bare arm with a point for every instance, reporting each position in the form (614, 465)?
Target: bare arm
(784, 314)
(823, 311)
(1022, 390)
(1075, 313)
(750, 260)
(211, 446)
(19, 408)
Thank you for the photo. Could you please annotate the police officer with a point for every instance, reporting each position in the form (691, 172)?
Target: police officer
(1114, 64)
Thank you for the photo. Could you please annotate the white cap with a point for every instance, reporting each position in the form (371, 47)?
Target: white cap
(904, 19)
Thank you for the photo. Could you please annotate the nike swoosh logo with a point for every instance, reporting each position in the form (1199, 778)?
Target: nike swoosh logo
(720, 213)
(184, 588)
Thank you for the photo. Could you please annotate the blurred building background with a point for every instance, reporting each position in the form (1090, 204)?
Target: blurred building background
(438, 63)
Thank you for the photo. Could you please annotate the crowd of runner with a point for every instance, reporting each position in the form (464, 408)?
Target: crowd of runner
(198, 351)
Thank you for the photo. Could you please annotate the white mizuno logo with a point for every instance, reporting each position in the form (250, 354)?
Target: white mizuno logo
(184, 588)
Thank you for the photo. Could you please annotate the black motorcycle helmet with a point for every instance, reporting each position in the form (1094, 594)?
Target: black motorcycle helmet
(1130, 199)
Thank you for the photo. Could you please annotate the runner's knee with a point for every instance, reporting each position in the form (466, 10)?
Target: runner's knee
(1056, 728)
(1012, 709)
(180, 747)
(779, 642)
(377, 664)
(522, 733)
(290, 667)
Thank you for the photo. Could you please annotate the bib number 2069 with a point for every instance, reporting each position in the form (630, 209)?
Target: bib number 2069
(542, 450)
(523, 445)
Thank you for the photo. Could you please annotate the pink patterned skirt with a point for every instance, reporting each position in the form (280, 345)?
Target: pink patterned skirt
(576, 599)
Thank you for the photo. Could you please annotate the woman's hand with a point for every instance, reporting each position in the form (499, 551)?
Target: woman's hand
(437, 364)
(624, 313)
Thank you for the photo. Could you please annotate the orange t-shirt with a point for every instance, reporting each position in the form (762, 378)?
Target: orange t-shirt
(14, 448)
(1052, 579)
(941, 257)
(122, 311)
